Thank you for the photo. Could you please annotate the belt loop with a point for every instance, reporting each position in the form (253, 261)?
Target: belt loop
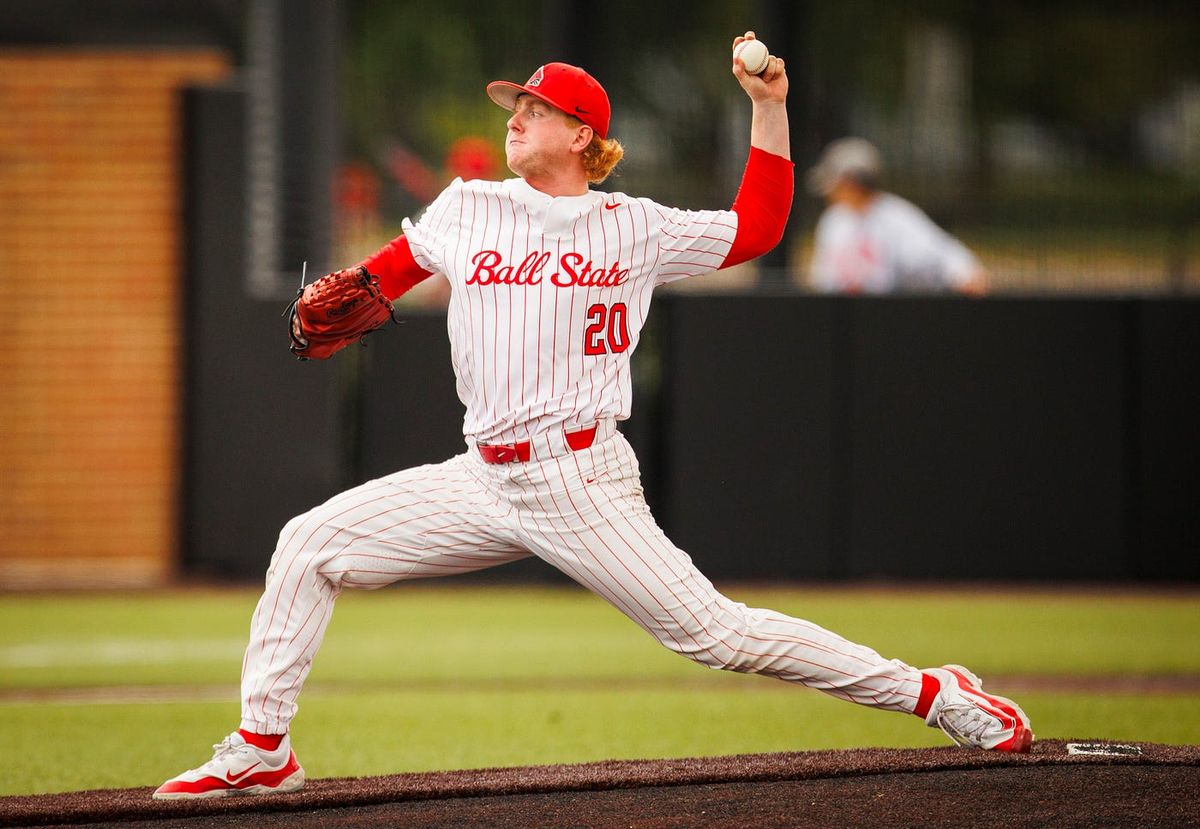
(551, 443)
(605, 429)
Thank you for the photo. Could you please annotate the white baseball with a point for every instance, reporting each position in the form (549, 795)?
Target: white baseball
(754, 54)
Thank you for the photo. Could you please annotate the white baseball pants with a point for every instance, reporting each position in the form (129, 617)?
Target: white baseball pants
(583, 512)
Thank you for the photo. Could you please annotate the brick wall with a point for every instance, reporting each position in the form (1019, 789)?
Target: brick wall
(90, 262)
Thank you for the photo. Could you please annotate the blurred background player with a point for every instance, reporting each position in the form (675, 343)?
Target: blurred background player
(874, 242)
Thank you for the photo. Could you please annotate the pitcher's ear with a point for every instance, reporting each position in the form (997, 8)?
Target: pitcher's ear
(583, 138)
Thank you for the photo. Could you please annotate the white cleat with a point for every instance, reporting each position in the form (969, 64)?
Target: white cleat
(971, 717)
(237, 767)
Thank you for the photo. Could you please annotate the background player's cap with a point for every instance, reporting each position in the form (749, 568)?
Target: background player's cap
(564, 87)
(854, 157)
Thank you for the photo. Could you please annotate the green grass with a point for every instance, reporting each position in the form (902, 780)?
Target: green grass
(421, 678)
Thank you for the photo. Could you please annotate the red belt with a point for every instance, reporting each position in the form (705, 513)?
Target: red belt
(519, 452)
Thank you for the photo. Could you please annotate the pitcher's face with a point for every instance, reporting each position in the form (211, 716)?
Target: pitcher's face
(540, 138)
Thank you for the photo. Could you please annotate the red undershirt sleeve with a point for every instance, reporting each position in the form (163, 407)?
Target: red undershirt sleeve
(396, 268)
(762, 205)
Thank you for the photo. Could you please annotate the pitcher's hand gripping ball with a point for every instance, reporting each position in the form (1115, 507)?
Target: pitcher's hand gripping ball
(338, 309)
(754, 54)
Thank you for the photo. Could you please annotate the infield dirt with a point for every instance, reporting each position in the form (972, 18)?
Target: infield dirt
(1157, 786)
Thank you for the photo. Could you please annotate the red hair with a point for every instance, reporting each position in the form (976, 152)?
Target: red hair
(600, 157)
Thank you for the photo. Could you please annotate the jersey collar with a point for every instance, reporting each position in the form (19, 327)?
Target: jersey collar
(552, 215)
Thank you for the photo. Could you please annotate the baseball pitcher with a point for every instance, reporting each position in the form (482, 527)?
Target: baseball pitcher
(550, 284)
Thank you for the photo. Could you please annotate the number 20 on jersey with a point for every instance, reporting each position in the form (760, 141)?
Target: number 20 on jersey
(607, 329)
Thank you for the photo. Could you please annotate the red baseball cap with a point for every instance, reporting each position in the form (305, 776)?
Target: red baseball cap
(564, 87)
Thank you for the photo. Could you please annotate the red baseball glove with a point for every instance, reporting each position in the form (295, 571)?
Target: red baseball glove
(338, 309)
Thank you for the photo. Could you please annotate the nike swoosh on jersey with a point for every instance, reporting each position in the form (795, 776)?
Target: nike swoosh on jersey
(612, 205)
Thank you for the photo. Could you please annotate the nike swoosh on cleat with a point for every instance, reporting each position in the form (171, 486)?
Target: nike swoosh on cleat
(233, 778)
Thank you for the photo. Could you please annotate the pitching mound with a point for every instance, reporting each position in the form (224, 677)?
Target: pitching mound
(1062, 784)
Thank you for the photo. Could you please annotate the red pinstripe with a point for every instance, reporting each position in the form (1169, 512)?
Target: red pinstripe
(553, 344)
(288, 662)
(691, 590)
(289, 694)
(541, 329)
(622, 563)
(615, 580)
(580, 576)
(287, 572)
(656, 571)
(524, 305)
(602, 588)
(691, 577)
(562, 564)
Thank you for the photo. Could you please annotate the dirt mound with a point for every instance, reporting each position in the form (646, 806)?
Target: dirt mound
(1054, 785)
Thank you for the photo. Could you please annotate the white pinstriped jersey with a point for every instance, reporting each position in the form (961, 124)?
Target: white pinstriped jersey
(549, 295)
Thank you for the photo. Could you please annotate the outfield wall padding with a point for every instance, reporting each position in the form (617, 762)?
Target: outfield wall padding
(1164, 487)
(998, 439)
(986, 439)
(749, 434)
(780, 436)
(263, 432)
